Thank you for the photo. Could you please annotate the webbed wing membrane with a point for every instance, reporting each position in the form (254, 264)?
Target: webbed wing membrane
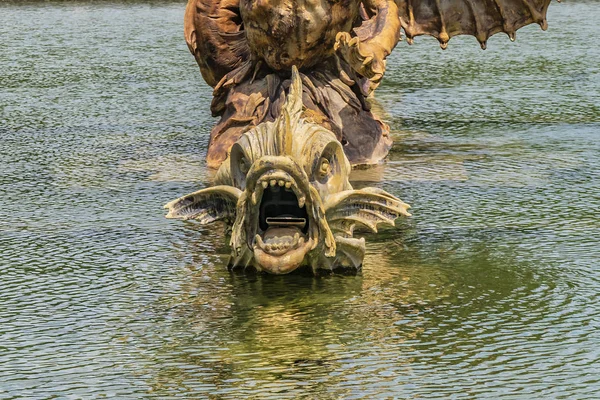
(207, 205)
(444, 19)
(366, 208)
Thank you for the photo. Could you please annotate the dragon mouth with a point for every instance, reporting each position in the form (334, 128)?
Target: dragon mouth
(282, 222)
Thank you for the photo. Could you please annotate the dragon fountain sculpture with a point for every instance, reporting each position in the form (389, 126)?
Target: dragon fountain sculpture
(285, 189)
(291, 81)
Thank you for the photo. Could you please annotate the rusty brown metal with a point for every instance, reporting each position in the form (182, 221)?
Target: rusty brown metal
(246, 48)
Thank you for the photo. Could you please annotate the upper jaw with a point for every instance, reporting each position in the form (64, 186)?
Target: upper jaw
(280, 180)
(284, 165)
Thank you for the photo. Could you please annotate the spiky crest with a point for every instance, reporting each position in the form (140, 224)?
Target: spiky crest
(290, 115)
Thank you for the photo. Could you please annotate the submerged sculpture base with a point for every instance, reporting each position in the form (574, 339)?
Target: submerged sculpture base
(301, 271)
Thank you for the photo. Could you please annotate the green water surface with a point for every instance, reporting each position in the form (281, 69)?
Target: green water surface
(491, 289)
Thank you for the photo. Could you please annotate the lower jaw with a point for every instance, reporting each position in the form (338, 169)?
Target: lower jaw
(282, 264)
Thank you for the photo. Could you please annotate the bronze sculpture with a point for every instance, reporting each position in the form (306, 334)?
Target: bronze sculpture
(340, 46)
(285, 190)
(250, 52)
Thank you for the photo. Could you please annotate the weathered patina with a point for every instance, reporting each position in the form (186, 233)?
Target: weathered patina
(291, 81)
(285, 192)
(245, 48)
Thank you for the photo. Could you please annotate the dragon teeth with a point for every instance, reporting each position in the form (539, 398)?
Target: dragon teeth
(273, 182)
(259, 241)
(301, 201)
(281, 183)
(295, 240)
(288, 185)
(279, 244)
(265, 184)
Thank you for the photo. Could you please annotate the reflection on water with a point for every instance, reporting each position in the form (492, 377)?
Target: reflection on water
(490, 289)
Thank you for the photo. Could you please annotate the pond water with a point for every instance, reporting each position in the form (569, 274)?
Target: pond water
(491, 289)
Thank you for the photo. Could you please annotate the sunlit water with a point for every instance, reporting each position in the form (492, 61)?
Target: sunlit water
(491, 289)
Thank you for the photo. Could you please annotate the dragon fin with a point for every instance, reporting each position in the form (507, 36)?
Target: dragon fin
(216, 203)
(479, 18)
(365, 208)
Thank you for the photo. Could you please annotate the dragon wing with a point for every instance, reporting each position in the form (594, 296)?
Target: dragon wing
(215, 35)
(444, 19)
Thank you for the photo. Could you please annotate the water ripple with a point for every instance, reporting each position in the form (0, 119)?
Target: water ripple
(489, 290)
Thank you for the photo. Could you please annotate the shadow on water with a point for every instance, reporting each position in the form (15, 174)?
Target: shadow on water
(425, 300)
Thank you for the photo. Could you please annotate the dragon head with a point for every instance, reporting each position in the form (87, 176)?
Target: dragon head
(285, 191)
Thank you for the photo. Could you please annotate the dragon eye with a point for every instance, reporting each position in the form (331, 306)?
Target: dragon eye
(324, 167)
(244, 166)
